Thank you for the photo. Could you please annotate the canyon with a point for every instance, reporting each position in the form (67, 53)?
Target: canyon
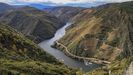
(67, 40)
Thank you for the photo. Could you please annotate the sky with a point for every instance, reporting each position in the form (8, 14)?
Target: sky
(60, 1)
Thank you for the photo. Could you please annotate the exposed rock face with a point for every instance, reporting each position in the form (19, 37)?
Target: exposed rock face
(65, 13)
(110, 27)
(34, 23)
(129, 70)
(104, 33)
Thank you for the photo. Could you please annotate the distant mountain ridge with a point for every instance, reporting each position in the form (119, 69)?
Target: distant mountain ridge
(86, 5)
(20, 55)
(41, 6)
(5, 7)
(42, 24)
(35, 5)
(36, 24)
(65, 13)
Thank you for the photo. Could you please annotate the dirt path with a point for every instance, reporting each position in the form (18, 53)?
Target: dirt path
(83, 58)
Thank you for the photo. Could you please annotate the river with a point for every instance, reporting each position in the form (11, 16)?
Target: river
(58, 54)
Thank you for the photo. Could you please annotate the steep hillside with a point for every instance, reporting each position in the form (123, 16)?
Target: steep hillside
(21, 56)
(34, 23)
(104, 33)
(65, 13)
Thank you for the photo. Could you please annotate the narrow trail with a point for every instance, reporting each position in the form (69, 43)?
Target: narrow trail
(94, 60)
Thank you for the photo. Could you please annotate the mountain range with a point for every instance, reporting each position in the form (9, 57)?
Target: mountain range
(104, 32)
(64, 13)
(34, 23)
(47, 5)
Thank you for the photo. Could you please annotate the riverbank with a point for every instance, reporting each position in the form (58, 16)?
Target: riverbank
(59, 55)
(66, 51)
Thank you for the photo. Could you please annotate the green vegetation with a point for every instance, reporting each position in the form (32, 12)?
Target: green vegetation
(21, 56)
(112, 28)
(117, 67)
(35, 24)
(31, 67)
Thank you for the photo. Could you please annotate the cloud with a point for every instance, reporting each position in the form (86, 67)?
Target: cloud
(70, 1)
(60, 1)
(6, 1)
(114, 0)
(31, 0)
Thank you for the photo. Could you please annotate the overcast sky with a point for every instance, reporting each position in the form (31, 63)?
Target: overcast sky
(60, 1)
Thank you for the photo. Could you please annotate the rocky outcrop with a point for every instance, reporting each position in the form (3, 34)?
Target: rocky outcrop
(129, 70)
(98, 33)
(104, 33)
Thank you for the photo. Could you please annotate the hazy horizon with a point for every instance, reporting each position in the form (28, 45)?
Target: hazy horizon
(82, 3)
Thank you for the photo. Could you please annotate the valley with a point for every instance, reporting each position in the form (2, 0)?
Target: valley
(102, 36)
(65, 40)
(34, 23)
(61, 56)
(19, 55)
